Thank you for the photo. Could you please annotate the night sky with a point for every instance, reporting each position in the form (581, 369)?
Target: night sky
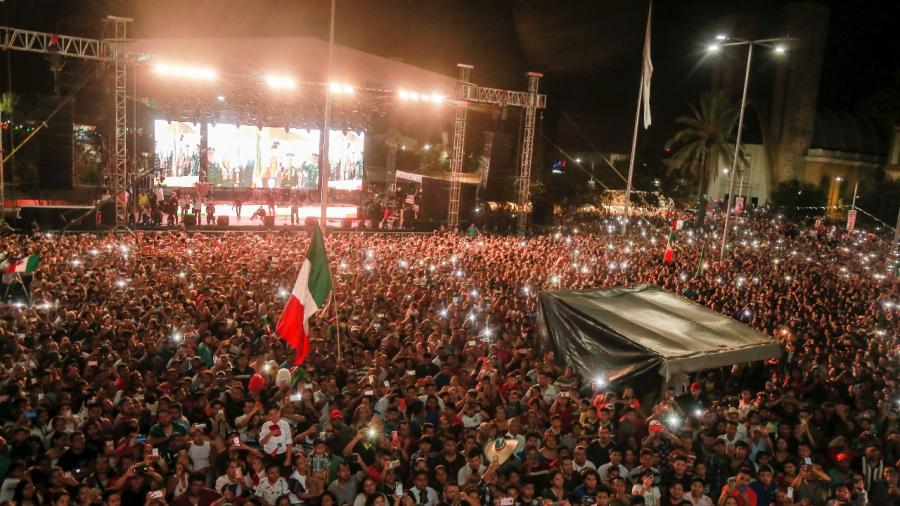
(589, 51)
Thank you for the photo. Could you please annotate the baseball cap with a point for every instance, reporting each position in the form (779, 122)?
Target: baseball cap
(335, 414)
(656, 426)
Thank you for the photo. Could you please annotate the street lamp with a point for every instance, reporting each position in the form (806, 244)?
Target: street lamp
(722, 41)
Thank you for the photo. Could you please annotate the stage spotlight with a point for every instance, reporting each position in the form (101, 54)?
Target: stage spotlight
(341, 88)
(403, 94)
(221, 98)
(437, 98)
(185, 71)
(280, 82)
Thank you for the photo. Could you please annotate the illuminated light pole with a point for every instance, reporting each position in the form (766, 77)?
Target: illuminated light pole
(326, 124)
(777, 45)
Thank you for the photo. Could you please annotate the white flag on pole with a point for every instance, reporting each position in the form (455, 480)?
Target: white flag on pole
(647, 70)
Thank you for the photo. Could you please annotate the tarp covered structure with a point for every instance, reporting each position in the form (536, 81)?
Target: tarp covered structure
(624, 332)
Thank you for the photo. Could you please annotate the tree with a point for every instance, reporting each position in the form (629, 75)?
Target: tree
(793, 195)
(704, 138)
(880, 197)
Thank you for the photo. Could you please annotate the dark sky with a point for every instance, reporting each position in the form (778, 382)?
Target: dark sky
(589, 51)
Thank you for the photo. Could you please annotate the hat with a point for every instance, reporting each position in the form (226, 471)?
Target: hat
(656, 426)
(335, 414)
(696, 385)
(500, 450)
(733, 411)
(841, 457)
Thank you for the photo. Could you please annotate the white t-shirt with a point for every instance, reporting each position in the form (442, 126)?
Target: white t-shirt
(277, 444)
(270, 492)
(471, 421)
(704, 500)
(652, 497)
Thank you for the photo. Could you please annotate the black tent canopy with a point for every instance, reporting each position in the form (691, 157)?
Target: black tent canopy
(624, 332)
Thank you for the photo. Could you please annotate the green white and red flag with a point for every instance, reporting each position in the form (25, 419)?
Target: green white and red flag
(669, 255)
(310, 292)
(27, 264)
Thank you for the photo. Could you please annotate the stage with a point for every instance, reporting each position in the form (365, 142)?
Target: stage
(335, 214)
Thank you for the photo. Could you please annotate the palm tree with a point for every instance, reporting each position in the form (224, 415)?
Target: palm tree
(704, 138)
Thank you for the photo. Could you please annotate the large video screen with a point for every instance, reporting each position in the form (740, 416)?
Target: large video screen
(250, 157)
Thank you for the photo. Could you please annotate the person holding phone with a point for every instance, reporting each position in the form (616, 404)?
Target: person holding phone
(234, 477)
(738, 488)
(196, 493)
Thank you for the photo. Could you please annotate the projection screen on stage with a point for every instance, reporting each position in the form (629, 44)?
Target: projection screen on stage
(250, 157)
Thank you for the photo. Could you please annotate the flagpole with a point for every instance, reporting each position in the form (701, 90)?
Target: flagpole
(637, 119)
(337, 322)
(324, 165)
(637, 115)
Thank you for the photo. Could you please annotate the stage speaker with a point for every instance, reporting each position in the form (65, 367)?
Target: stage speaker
(108, 212)
(269, 221)
(190, 220)
(542, 213)
(222, 221)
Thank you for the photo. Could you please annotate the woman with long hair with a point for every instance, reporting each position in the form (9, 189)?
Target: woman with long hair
(180, 479)
(27, 494)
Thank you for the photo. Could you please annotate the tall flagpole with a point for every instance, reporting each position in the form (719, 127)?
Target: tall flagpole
(637, 119)
(646, 69)
(324, 166)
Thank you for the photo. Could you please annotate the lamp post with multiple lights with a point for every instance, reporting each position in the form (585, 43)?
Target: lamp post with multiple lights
(722, 41)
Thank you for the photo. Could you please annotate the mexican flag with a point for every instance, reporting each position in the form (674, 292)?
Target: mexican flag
(27, 264)
(310, 291)
(669, 256)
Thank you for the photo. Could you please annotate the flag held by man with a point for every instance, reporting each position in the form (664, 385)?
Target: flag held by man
(27, 264)
(310, 292)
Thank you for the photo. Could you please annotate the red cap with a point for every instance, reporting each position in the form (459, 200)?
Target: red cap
(335, 414)
(696, 385)
(656, 425)
(842, 457)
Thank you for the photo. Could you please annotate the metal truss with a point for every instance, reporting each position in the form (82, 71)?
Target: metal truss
(524, 181)
(119, 175)
(531, 101)
(500, 97)
(51, 43)
(110, 50)
(459, 140)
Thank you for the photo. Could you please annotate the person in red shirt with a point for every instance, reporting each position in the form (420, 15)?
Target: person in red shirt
(739, 488)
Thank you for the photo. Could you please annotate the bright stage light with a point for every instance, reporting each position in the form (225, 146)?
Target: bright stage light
(341, 88)
(416, 96)
(280, 82)
(185, 71)
(713, 48)
(221, 98)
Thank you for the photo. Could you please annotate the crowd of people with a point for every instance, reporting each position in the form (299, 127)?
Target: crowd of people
(144, 370)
